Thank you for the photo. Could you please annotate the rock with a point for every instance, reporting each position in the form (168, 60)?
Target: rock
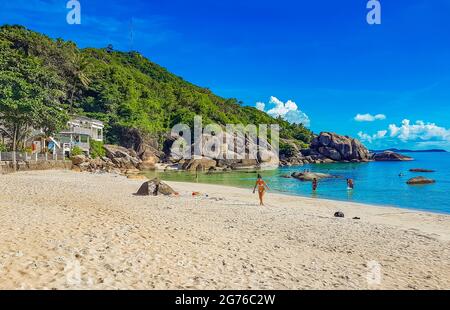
(331, 146)
(118, 160)
(390, 156)
(421, 170)
(286, 176)
(168, 157)
(149, 160)
(203, 164)
(309, 176)
(339, 214)
(420, 180)
(330, 153)
(84, 166)
(96, 164)
(77, 160)
(155, 187)
(115, 151)
(136, 162)
(127, 163)
(268, 157)
(325, 139)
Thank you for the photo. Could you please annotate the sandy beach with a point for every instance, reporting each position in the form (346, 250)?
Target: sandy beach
(67, 230)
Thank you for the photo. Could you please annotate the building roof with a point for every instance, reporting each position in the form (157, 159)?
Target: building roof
(71, 133)
(85, 118)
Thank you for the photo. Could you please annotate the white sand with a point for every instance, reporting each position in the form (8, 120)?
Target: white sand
(67, 230)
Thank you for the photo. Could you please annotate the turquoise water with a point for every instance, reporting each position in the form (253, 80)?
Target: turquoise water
(375, 183)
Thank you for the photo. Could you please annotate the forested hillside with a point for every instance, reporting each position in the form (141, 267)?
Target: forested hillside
(53, 78)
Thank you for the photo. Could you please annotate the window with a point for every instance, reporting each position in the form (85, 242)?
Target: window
(84, 139)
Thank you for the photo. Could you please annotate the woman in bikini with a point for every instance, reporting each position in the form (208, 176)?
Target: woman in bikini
(262, 186)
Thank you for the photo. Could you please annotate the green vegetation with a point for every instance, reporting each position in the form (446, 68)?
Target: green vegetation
(3, 148)
(287, 149)
(75, 151)
(97, 149)
(42, 78)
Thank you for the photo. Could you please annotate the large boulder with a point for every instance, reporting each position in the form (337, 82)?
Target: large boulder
(78, 159)
(122, 157)
(155, 187)
(115, 151)
(309, 176)
(420, 181)
(337, 148)
(330, 153)
(203, 164)
(390, 156)
(149, 160)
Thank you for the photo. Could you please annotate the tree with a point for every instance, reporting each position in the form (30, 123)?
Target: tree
(30, 96)
(79, 79)
(124, 90)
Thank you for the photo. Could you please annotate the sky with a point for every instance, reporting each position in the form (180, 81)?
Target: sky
(315, 62)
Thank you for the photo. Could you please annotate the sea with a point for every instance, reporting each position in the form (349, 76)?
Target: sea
(376, 183)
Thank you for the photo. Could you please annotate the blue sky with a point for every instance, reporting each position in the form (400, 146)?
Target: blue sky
(315, 61)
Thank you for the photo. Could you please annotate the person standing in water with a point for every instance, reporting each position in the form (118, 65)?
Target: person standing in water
(262, 186)
(314, 184)
(350, 184)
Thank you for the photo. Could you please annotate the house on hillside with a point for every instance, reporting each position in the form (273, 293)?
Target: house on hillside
(79, 132)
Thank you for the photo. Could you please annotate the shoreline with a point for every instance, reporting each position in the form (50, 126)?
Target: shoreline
(330, 204)
(324, 199)
(158, 173)
(57, 223)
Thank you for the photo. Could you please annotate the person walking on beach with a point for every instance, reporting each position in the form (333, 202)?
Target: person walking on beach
(262, 186)
(314, 184)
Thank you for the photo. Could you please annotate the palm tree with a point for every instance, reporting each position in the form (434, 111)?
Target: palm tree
(80, 80)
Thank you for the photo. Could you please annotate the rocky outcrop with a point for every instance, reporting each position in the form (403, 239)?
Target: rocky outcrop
(339, 148)
(420, 181)
(327, 147)
(155, 187)
(390, 156)
(309, 176)
(224, 158)
(117, 160)
(290, 154)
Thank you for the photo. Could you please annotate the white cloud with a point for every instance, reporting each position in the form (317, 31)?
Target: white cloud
(288, 111)
(370, 138)
(369, 117)
(418, 132)
(260, 106)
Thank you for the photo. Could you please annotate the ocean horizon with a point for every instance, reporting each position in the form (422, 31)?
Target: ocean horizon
(376, 183)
